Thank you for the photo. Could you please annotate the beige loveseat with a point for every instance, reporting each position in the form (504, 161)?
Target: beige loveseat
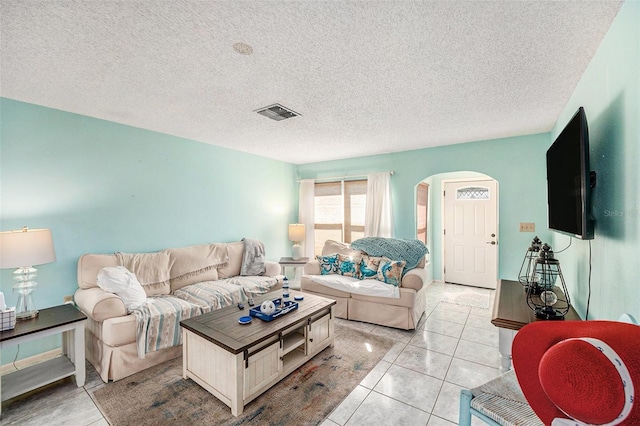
(400, 312)
(194, 280)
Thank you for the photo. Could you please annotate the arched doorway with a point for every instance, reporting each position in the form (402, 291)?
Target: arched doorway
(468, 254)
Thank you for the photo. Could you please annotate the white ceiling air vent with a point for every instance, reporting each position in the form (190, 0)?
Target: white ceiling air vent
(277, 112)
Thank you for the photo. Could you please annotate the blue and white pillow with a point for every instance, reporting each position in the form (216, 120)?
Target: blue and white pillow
(369, 267)
(349, 266)
(328, 264)
(390, 271)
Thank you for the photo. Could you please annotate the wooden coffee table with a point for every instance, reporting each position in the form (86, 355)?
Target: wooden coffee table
(238, 362)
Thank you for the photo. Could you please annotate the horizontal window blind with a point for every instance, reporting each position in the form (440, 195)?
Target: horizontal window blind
(339, 211)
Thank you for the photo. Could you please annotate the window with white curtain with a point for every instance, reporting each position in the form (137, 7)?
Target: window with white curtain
(339, 211)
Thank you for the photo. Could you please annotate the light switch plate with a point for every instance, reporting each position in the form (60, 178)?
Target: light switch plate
(527, 227)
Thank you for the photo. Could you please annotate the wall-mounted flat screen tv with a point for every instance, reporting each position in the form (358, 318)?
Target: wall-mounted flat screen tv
(570, 179)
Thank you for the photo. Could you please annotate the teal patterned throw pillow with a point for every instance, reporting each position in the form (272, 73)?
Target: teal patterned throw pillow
(390, 271)
(349, 266)
(369, 267)
(328, 264)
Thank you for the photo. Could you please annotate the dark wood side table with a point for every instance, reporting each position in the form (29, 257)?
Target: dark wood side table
(297, 265)
(511, 313)
(65, 319)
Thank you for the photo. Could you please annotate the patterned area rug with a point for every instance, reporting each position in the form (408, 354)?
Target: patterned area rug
(159, 395)
(467, 296)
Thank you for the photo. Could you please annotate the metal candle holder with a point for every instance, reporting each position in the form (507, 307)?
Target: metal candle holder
(528, 263)
(548, 300)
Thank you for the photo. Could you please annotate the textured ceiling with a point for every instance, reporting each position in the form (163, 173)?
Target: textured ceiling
(367, 77)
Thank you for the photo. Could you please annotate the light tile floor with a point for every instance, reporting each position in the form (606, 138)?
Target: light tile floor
(417, 383)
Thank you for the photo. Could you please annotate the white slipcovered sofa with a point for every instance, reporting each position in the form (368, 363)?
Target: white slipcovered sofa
(179, 283)
(369, 300)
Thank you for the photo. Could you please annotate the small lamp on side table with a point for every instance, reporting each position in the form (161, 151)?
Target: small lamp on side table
(296, 234)
(22, 249)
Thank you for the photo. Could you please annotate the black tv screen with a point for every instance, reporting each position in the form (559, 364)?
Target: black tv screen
(569, 180)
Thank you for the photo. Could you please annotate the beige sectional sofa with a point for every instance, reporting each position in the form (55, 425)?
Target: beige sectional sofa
(402, 312)
(195, 280)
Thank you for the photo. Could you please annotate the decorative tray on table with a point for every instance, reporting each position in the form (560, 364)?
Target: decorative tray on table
(280, 310)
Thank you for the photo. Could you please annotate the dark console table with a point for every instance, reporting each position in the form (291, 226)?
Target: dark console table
(511, 313)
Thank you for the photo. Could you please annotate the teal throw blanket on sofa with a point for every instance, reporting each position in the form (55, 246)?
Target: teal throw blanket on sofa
(408, 250)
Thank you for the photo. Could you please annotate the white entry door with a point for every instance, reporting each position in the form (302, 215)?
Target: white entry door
(471, 233)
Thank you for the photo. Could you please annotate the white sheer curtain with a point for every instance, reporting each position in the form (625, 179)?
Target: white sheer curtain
(306, 194)
(378, 220)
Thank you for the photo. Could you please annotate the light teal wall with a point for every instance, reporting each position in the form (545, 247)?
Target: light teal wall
(609, 91)
(517, 164)
(103, 187)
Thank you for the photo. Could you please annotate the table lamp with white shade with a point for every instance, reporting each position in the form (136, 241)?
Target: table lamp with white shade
(296, 234)
(22, 249)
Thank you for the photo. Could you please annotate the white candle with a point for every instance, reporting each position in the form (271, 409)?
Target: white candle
(2, 305)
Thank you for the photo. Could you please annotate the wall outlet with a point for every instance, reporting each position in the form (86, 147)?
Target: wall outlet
(527, 227)
(68, 299)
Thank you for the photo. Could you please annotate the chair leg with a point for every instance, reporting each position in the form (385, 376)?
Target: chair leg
(465, 408)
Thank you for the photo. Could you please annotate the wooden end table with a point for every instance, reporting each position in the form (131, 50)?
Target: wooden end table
(65, 319)
(297, 265)
(511, 313)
